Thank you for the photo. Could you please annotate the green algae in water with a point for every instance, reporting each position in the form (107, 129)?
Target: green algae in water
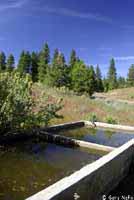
(30, 167)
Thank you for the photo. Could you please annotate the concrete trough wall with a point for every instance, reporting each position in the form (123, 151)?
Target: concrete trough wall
(65, 126)
(93, 180)
(66, 141)
(83, 123)
(110, 126)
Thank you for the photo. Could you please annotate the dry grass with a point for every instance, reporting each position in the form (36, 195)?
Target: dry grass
(126, 94)
(81, 107)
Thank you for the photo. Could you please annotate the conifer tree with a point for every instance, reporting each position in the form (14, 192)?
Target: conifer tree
(34, 66)
(105, 84)
(130, 78)
(79, 78)
(72, 61)
(10, 63)
(83, 78)
(58, 72)
(44, 59)
(73, 58)
(2, 61)
(55, 56)
(24, 64)
(121, 82)
(99, 83)
(112, 75)
(92, 83)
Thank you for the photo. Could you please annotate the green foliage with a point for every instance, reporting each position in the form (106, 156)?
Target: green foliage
(2, 61)
(93, 117)
(112, 75)
(130, 79)
(24, 63)
(17, 104)
(99, 83)
(10, 63)
(55, 56)
(43, 64)
(131, 96)
(91, 81)
(79, 77)
(110, 120)
(73, 58)
(121, 82)
(83, 78)
(15, 101)
(75, 75)
(34, 66)
(46, 114)
(58, 73)
(105, 85)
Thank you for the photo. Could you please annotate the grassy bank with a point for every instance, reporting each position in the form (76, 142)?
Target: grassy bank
(125, 94)
(82, 107)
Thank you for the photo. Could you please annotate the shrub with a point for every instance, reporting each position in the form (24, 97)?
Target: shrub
(93, 117)
(17, 104)
(110, 120)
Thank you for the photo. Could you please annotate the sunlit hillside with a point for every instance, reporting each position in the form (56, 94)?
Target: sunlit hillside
(125, 94)
(82, 107)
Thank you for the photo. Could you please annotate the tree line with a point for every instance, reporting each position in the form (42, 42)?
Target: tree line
(74, 75)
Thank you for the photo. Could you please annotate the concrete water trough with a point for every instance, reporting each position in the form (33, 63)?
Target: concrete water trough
(96, 179)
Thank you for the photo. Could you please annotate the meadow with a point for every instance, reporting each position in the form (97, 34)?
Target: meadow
(84, 108)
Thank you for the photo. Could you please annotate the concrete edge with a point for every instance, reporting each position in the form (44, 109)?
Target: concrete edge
(110, 126)
(94, 146)
(68, 125)
(67, 182)
(70, 142)
(81, 123)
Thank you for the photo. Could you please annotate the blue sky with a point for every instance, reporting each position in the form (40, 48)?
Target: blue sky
(97, 29)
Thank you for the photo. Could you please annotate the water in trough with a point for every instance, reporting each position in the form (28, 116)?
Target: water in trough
(99, 136)
(28, 167)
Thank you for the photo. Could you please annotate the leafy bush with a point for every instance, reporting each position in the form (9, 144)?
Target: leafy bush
(93, 117)
(17, 104)
(132, 96)
(110, 120)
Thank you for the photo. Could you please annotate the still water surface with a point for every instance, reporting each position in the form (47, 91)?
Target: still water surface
(30, 167)
(99, 136)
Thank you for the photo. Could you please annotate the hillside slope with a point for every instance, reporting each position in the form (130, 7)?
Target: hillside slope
(124, 95)
(82, 107)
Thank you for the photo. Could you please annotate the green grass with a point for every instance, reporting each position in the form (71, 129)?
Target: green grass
(82, 107)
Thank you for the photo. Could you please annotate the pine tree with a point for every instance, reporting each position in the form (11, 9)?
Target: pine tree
(99, 86)
(2, 61)
(24, 64)
(44, 59)
(28, 62)
(34, 66)
(112, 75)
(92, 83)
(79, 78)
(105, 84)
(121, 82)
(55, 56)
(130, 78)
(73, 58)
(10, 63)
(83, 78)
(58, 71)
(72, 61)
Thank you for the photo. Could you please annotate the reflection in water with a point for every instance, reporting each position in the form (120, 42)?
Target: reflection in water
(30, 167)
(99, 136)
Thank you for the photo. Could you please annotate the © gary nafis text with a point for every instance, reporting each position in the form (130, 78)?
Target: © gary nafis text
(122, 197)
